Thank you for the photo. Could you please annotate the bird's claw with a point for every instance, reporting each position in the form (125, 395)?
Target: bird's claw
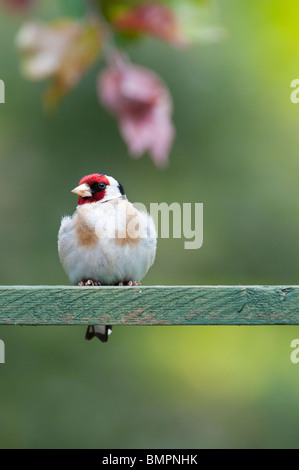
(89, 282)
(130, 283)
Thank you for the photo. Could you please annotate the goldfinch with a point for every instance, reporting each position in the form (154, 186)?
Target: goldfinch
(107, 241)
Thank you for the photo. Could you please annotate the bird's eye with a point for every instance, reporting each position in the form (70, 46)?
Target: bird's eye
(95, 187)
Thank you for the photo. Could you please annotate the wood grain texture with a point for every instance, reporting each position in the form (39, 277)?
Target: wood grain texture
(155, 305)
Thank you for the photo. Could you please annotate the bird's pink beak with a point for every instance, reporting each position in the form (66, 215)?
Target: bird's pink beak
(83, 190)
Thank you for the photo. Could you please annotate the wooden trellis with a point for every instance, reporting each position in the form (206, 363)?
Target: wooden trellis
(149, 305)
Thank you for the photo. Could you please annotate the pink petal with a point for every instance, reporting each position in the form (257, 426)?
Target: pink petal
(143, 106)
(17, 6)
(140, 84)
(154, 19)
(137, 134)
(162, 140)
(153, 132)
(108, 89)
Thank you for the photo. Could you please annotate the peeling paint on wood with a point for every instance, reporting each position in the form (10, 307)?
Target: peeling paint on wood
(150, 305)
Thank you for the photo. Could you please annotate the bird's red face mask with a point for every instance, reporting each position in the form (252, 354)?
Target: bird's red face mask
(92, 188)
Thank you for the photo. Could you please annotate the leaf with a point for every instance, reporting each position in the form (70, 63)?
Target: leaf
(152, 19)
(62, 51)
(81, 55)
(197, 19)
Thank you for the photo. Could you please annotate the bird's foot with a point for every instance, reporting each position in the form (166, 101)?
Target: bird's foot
(130, 283)
(89, 282)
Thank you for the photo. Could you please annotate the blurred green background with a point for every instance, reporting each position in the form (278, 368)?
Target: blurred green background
(237, 152)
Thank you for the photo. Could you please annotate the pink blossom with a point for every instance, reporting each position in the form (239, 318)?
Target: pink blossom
(151, 18)
(45, 47)
(143, 106)
(17, 6)
(62, 51)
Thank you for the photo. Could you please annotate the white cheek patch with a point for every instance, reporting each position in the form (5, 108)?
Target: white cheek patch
(112, 181)
(112, 190)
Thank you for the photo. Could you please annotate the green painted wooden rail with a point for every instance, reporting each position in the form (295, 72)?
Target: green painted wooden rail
(149, 305)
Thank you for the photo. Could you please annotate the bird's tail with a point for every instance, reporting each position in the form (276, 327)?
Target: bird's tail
(100, 331)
